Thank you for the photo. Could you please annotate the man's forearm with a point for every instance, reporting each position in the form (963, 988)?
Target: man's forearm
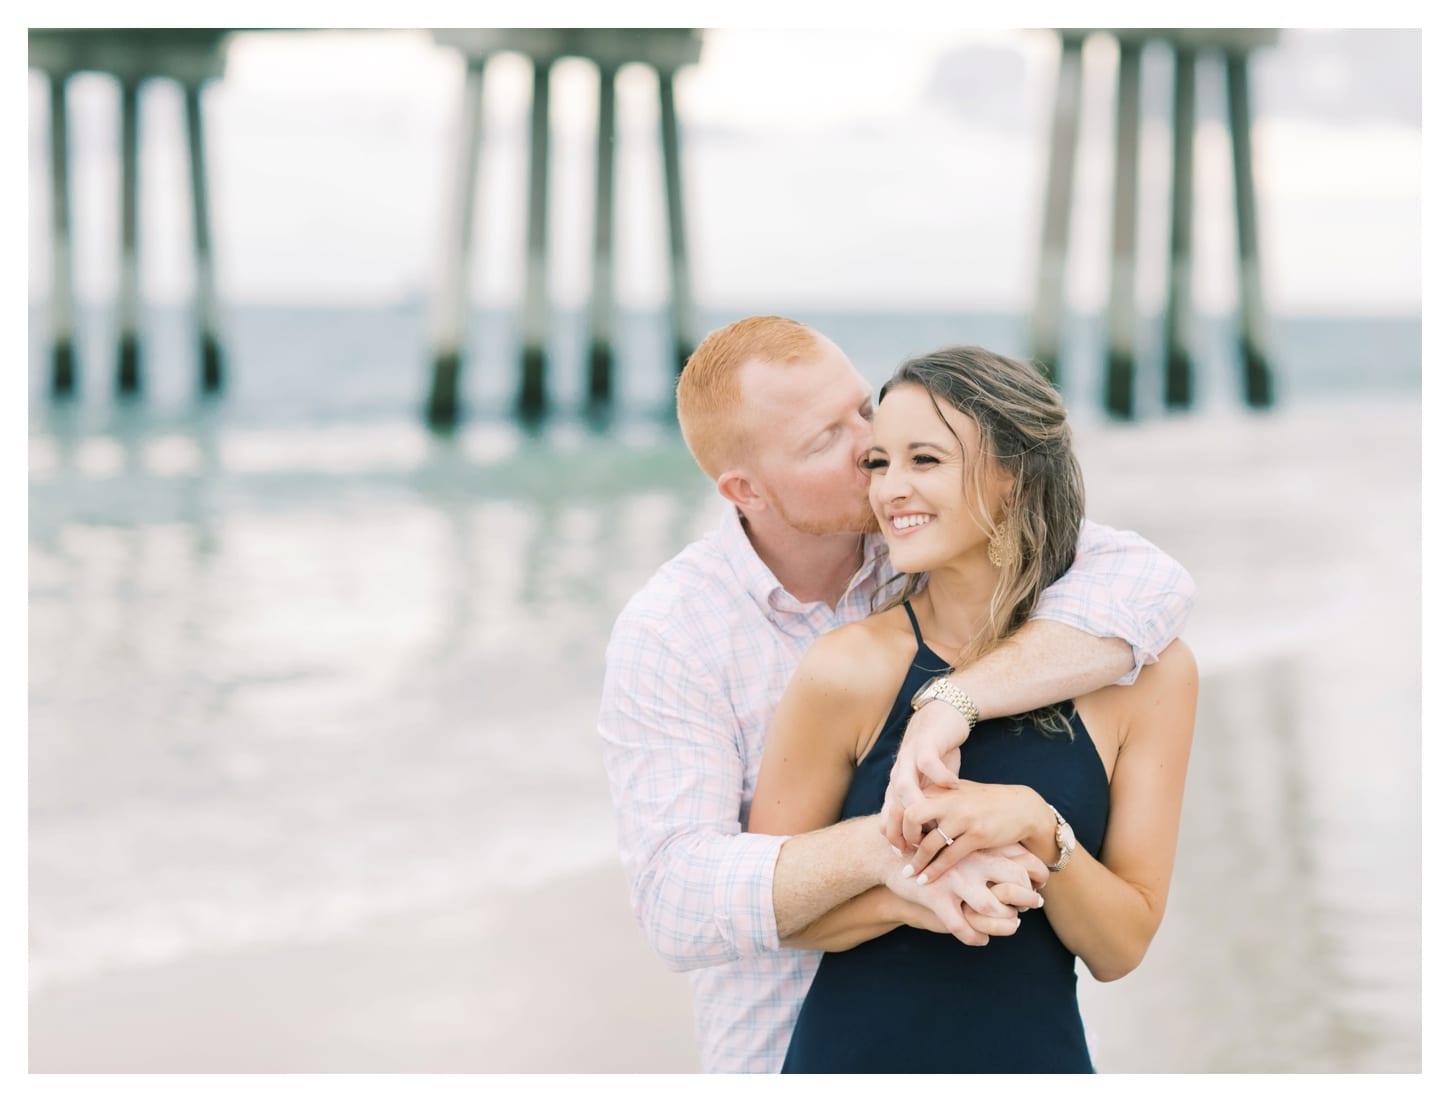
(1044, 662)
(874, 912)
(818, 871)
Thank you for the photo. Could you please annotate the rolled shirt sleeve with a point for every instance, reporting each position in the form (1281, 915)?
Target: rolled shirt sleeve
(1121, 586)
(701, 887)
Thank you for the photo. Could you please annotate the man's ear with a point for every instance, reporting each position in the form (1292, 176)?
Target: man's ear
(736, 487)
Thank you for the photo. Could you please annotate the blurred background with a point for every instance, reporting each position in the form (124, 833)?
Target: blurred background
(313, 776)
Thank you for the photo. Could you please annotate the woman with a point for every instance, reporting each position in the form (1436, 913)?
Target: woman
(973, 479)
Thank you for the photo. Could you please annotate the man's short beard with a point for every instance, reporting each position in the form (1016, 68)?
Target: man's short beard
(863, 522)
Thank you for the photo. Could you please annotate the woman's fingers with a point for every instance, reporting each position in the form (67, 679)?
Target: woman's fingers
(934, 858)
(920, 817)
(892, 818)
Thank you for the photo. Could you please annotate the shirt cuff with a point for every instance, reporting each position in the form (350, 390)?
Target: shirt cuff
(745, 895)
(1122, 625)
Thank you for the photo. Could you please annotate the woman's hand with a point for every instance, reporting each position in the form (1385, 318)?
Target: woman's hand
(974, 816)
(930, 753)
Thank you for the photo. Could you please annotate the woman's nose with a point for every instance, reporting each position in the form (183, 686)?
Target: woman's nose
(894, 484)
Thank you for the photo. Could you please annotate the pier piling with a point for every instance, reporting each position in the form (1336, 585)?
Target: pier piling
(62, 293)
(132, 57)
(1122, 295)
(681, 306)
(1046, 327)
(1178, 383)
(206, 303)
(450, 306)
(533, 394)
(1258, 390)
(601, 302)
(665, 50)
(1046, 336)
(128, 371)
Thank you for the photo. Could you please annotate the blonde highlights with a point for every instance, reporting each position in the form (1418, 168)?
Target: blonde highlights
(1022, 431)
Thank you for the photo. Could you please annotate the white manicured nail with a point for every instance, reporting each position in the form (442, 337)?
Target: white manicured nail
(921, 879)
(896, 851)
(908, 871)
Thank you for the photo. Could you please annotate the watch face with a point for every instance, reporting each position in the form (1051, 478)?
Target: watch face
(1066, 839)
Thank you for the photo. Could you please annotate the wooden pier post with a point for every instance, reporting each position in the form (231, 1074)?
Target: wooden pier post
(682, 323)
(533, 393)
(1047, 318)
(128, 372)
(1178, 384)
(1122, 307)
(62, 294)
(206, 300)
(450, 306)
(665, 50)
(1258, 390)
(601, 303)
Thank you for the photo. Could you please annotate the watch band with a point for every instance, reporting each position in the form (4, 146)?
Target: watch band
(943, 689)
(1066, 841)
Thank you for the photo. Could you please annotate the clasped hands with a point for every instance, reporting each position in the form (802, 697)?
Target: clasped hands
(977, 883)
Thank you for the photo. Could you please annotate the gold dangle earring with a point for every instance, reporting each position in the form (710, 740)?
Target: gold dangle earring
(994, 547)
(1000, 547)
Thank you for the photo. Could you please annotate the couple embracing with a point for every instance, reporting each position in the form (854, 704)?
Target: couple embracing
(905, 736)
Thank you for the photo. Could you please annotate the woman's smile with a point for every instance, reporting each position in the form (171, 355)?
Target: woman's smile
(904, 524)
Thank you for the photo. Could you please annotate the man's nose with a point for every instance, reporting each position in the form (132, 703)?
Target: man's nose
(863, 434)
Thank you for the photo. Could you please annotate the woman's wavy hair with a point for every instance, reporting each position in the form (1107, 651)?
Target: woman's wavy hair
(1022, 430)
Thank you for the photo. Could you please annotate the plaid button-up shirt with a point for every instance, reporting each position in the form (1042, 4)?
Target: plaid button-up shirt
(696, 664)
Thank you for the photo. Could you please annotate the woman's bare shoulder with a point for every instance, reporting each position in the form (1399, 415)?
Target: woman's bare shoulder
(1161, 689)
(864, 657)
(1175, 671)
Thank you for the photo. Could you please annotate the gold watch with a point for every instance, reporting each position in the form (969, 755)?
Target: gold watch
(1066, 841)
(940, 688)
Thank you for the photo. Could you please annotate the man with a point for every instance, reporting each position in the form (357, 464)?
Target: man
(700, 656)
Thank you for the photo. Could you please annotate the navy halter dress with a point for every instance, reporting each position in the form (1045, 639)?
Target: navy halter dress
(914, 1001)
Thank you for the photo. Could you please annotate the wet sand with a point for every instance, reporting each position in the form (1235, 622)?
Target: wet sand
(559, 979)
(553, 980)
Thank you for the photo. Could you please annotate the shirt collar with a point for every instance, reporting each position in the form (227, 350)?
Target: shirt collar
(764, 587)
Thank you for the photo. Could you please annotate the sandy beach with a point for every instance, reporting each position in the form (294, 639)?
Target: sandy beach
(315, 811)
(558, 979)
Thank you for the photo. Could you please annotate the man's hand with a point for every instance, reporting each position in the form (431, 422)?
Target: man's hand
(930, 753)
(978, 897)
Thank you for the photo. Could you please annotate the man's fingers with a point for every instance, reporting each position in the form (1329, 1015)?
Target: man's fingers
(1014, 895)
(1003, 870)
(990, 926)
(958, 925)
(978, 895)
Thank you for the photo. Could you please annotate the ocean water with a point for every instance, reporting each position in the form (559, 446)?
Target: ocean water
(297, 664)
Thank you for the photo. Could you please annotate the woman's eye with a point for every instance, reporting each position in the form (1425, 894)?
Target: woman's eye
(872, 464)
(923, 460)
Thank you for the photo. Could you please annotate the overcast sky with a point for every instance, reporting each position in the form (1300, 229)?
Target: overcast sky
(823, 168)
